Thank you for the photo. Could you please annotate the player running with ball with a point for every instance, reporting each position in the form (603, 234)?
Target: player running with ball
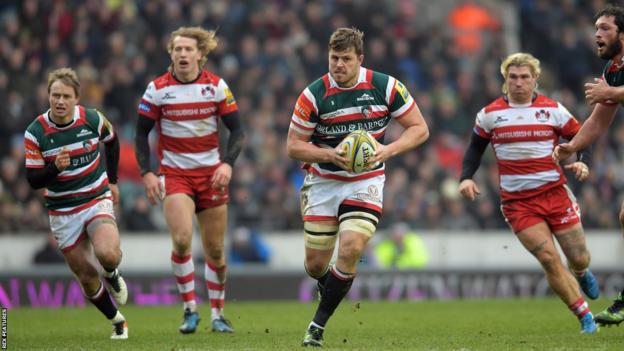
(336, 203)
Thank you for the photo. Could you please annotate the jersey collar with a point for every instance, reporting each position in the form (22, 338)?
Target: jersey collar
(51, 124)
(361, 79)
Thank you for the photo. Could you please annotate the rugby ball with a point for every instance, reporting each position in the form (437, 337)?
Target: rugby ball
(359, 148)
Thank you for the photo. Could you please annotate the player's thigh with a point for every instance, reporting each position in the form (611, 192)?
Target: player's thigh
(538, 240)
(179, 210)
(81, 261)
(212, 223)
(104, 237)
(320, 240)
(572, 241)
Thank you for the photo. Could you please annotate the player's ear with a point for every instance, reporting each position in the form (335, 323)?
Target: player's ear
(361, 58)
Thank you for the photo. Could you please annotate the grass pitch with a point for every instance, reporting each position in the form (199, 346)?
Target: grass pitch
(523, 324)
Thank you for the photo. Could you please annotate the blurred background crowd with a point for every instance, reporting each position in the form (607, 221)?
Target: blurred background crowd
(446, 52)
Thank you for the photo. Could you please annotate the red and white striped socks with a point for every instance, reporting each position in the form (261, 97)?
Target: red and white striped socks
(215, 282)
(580, 308)
(184, 271)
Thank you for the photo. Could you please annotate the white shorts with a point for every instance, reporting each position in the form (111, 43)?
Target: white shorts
(70, 229)
(321, 197)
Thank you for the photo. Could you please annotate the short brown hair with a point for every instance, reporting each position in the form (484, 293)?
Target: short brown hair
(206, 40)
(344, 38)
(66, 75)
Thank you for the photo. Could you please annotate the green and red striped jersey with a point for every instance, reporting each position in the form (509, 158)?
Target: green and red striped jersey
(85, 179)
(327, 113)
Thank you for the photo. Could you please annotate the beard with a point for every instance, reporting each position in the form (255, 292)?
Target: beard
(611, 50)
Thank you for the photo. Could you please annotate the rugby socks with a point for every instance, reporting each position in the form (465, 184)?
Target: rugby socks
(337, 284)
(103, 302)
(215, 282)
(580, 308)
(184, 272)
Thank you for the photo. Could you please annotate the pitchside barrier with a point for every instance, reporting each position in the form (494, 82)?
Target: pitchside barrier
(471, 265)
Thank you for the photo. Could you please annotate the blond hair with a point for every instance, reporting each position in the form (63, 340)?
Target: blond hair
(67, 76)
(344, 38)
(519, 59)
(206, 40)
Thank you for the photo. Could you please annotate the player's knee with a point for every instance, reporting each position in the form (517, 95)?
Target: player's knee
(349, 252)
(110, 257)
(315, 266)
(320, 236)
(215, 253)
(579, 259)
(181, 246)
(550, 261)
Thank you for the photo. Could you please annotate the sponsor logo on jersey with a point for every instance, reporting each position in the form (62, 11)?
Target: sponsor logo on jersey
(229, 97)
(83, 132)
(401, 89)
(500, 119)
(143, 107)
(168, 96)
(366, 111)
(88, 145)
(365, 97)
(208, 91)
(542, 116)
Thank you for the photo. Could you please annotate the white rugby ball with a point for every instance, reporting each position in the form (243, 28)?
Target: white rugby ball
(359, 148)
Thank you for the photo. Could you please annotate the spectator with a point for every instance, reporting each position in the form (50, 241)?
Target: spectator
(402, 249)
(248, 247)
(48, 253)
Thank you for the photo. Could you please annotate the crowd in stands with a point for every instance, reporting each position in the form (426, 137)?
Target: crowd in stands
(447, 53)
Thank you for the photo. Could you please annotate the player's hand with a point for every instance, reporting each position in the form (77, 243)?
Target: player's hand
(597, 92)
(336, 156)
(153, 188)
(222, 176)
(115, 191)
(580, 169)
(469, 189)
(62, 160)
(382, 154)
(562, 152)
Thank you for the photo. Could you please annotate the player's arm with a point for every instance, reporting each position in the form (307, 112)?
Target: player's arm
(141, 143)
(38, 173)
(601, 92)
(153, 188)
(39, 178)
(299, 148)
(222, 176)
(470, 164)
(236, 140)
(596, 125)
(416, 132)
(302, 126)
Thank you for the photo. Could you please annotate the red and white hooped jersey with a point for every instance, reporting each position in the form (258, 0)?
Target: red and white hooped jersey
(523, 138)
(186, 118)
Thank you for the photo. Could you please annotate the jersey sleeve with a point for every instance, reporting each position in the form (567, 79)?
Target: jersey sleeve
(305, 114)
(105, 128)
(149, 105)
(567, 124)
(399, 100)
(32, 151)
(482, 128)
(226, 103)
